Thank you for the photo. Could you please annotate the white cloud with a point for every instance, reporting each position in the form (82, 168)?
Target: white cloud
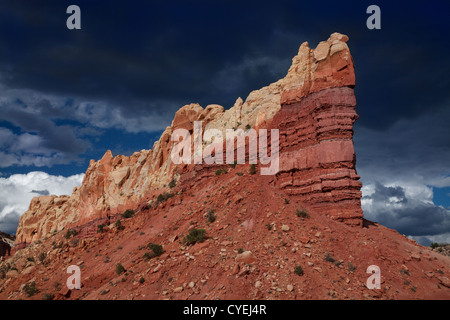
(407, 207)
(18, 190)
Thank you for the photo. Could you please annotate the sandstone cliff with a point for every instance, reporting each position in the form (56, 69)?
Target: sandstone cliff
(314, 109)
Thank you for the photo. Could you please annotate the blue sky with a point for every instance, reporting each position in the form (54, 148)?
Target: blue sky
(67, 96)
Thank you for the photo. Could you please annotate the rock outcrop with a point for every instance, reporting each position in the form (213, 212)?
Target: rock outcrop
(314, 109)
(6, 244)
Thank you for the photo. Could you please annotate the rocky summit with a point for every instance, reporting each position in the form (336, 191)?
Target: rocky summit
(145, 227)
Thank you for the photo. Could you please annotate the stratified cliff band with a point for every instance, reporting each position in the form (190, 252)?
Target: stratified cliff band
(314, 109)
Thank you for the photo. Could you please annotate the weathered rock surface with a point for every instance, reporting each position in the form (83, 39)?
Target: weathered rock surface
(6, 243)
(314, 109)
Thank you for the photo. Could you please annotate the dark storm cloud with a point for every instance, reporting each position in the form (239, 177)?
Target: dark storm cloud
(390, 206)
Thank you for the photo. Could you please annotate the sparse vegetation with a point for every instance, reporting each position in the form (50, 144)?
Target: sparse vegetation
(240, 250)
(48, 296)
(30, 289)
(240, 174)
(221, 171)
(156, 249)
(141, 280)
(252, 169)
(194, 236)
(163, 197)
(302, 213)
(100, 228)
(286, 201)
(172, 183)
(248, 127)
(118, 225)
(210, 216)
(71, 233)
(269, 226)
(128, 214)
(298, 270)
(233, 165)
(31, 259)
(434, 245)
(42, 257)
(119, 268)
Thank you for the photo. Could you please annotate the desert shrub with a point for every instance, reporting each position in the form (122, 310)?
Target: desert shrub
(302, 213)
(233, 165)
(141, 280)
(71, 233)
(172, 183)
(269, 226)
(210, 216)
(31, 259)
(434, 245)
(119, 268)
(156, 249)
(30, 288)
(128, 214)
(48, 296)
(240, 250)
(164, 197)
(194, 236)
(248, 127)
(100, 228)
(252, 169)
(221, 171)
(118, 225)
(298, 270)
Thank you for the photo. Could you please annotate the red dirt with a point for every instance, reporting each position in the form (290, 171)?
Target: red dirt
(208, 270)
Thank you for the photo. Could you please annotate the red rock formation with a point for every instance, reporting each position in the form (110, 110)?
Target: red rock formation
(317, 158)
(314, 109)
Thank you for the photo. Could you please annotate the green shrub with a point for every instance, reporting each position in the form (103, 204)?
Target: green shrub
(248, 127)
(233, 165)
(210, 216)
(100, 227)
(31, 259)
(128, 214)
(141, 280)
(298, 270)
(157, 249)
(164, 197)
(48, 296)
(194, 236)
(434, 245)
(302, 213)
(30, 288)
(71, 233)
(240, 250)
(252, 169)
(221, 171)
(118, 225)
(172, 183)
(119, 268)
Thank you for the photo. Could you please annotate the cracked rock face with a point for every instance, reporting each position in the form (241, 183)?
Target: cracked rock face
(313, 106)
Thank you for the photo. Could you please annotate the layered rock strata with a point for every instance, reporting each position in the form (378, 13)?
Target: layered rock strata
(314, 109)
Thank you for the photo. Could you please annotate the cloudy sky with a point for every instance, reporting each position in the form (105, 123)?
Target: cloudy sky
(67, 96)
